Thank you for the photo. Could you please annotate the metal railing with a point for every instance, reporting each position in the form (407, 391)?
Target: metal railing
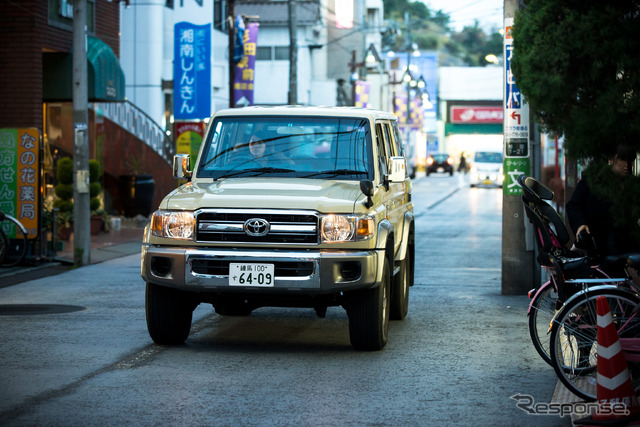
(139, 124)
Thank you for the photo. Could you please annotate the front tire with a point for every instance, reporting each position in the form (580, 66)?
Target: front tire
(369, 314)
(400, 290)
(169, 313)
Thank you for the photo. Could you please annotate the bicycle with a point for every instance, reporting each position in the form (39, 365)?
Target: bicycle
(554, 255)
(13, 240)
(565, 305)
(574, 333)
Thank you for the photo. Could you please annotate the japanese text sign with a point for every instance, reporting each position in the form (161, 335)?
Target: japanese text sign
(192, 71)
(19, 178)
(245, 69)
(516, 109)
(513, 168)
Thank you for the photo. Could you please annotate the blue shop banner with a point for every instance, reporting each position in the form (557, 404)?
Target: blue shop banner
(191, 71)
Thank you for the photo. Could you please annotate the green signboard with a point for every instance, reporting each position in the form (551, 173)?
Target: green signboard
(19, 183)
(513, 168)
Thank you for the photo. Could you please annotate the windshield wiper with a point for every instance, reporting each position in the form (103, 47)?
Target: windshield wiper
(254, 171)
(334, 172)
(269, 170)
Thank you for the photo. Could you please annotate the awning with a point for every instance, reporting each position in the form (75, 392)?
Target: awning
(105, 77)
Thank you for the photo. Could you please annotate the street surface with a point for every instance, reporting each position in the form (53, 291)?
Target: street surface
(456, 359)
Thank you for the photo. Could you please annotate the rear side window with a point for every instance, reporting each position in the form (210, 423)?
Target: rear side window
(382, 150)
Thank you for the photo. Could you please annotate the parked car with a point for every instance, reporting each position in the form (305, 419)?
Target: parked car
(486, 169)
(287, 207)
(439, 162)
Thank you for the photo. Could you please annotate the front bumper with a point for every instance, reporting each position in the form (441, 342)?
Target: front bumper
(309, 272)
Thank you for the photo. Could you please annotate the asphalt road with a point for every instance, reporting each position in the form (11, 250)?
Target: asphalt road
(457, 358)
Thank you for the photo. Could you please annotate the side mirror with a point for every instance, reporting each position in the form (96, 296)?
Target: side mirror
(398, 169)
(181, 166)
(367, 189)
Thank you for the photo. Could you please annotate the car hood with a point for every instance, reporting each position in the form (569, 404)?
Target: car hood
(266, 193)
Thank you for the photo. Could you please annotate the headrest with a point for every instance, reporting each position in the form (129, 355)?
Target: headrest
(533, 191)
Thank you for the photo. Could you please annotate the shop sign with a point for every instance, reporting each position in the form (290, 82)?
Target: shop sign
(19, 178)
(192, 71)
(189, 138)
(243, 84)
(476, 114)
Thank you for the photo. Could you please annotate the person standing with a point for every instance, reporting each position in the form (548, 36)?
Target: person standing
(593, 203)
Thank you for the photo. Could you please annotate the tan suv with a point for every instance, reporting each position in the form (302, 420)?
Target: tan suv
(289, 207)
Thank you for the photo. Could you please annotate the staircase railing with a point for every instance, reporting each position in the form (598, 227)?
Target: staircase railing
(138, 123)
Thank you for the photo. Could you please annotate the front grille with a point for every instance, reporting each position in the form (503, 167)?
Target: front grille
(281, 268)
(228, 226)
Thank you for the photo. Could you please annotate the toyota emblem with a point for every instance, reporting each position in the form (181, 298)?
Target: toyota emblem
(256, 227)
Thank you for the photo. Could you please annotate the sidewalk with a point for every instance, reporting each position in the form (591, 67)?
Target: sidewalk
(104, 246)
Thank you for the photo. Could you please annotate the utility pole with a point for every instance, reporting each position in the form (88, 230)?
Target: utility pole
(232, 44)
(81, 221)
(519, 270)
(293, 53)
(409, 52)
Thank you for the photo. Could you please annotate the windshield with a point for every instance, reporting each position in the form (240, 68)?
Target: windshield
(488, 157)
(305, 147)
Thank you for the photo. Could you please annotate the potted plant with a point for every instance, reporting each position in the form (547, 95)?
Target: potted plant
(64, 200)
(95, 190)
(136, 190)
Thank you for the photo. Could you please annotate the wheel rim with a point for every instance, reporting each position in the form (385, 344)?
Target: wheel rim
(541, 316)
(574, 341)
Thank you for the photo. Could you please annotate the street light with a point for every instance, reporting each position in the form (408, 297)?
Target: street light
(371, 60)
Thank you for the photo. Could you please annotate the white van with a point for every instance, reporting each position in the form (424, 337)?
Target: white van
(486, 169)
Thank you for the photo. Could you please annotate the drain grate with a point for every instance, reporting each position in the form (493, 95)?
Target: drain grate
(26, 309)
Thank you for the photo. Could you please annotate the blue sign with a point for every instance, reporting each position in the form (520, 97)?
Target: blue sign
(513, 98)
(191, 71)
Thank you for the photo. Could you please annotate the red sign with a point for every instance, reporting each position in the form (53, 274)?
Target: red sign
(476, 114)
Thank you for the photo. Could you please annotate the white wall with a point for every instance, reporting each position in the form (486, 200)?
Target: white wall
(141, 54)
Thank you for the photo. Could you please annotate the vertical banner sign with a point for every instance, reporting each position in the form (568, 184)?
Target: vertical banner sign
(189, 138)
(191, 71)
(19, 186)
(245, 69)
(362, 93)
(516, 123)
(400, 109)
(417, 114)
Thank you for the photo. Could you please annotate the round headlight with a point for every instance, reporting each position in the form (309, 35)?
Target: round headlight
(180, 225)
(336, 228)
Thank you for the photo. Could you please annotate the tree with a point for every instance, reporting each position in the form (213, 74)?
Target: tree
(430, 31)
(578, 65)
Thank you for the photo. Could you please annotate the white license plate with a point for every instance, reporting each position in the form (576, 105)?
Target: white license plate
(260, 275)
(441, 169)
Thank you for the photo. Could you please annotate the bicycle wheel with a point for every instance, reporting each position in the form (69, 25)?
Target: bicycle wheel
(16, 247)
(543, 308)
(574, 338)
